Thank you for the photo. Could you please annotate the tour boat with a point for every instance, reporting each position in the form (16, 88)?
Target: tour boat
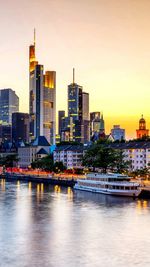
(110, 184)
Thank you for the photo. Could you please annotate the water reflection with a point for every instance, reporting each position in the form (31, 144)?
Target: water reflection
(2, 183)
(42, 225)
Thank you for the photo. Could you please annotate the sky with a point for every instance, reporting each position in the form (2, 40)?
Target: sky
(106, 41)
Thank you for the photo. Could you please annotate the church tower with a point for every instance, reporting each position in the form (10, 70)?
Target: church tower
(142, 131)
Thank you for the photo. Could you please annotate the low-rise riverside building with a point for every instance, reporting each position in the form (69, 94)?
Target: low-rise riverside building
(30, 152)
(70, 155)
(136, 152)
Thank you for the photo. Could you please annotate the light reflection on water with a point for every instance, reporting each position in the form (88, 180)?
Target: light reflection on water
(51, 226)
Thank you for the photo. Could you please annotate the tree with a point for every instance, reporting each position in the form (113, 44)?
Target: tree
(45, 163)
(104, 157)
(9, 160)
(120, 164)
(59, 166)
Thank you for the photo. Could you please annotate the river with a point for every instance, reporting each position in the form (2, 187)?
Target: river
(50, 226)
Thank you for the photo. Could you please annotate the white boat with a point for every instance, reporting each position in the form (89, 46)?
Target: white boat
(110, 184)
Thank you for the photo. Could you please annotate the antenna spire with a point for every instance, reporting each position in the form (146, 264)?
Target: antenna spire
(73, 75)
(34, 36)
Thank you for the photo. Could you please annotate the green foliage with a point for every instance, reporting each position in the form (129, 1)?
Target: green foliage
(9, 160)
(47, 164)
(141, 172)
(103, 157)
(58, 167)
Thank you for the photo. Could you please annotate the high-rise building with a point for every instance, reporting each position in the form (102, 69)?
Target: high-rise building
(5, 132)
(20, 127)
(75, 109)
(95, 122)
(49, 106)
(85, 118)
(118, 133)
(61, 115)
(97, 125)
(66, 130)
(142, 131)
(94, 115)
(78, 112)
(102, 124)
(42, 104)
(9, 103)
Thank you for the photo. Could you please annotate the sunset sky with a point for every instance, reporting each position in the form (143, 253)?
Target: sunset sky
(107, 41)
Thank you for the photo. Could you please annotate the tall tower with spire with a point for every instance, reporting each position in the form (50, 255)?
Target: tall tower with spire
(78, 112)
(142, 131)
(42, 98)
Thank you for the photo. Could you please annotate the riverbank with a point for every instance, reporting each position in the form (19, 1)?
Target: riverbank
(54, 180)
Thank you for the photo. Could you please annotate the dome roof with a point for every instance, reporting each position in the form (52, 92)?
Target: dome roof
(142, 120)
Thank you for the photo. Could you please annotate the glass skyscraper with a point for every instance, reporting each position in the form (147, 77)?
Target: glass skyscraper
(20, 127)
(9, 103)
(42, 102)
(78, 110)
(75, 110)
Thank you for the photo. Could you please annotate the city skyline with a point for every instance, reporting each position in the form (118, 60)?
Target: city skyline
(110, 53)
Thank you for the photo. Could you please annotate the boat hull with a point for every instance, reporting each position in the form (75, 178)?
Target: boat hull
(127, 193)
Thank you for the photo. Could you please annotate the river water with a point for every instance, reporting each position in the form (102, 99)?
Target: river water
(50, 226)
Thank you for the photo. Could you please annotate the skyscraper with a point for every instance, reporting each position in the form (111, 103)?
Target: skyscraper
(9, 103)
(118, 133)
(61, 115)
(20, 127)
(78, 112)
(75, 109)
(97, 125)
(49, 106)
(85, 118)
(42, 105)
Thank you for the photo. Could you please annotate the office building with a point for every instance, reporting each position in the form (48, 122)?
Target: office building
(42, 107)
(97, 123)
(5, 132)
(49, 106)
(85, 118)
(94, 115)
(9, 103)
(61, 115)
(118, 133)
(75, 109)
(78, 112)
(20, 127)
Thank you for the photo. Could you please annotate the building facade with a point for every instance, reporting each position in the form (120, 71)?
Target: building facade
(42, 99)
(97, 126)
(85, 118)
(61, 115)
(75, 110)
(49, 106)
(142, 131)
(118, 133)
(30, 152)
(9, 103)
(70, 155)
(78, 112)
(20, 127)
(5, 132)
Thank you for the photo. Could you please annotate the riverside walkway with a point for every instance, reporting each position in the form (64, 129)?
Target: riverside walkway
(63, 180)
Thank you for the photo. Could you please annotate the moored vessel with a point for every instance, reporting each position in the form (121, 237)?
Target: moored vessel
(110, 183)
